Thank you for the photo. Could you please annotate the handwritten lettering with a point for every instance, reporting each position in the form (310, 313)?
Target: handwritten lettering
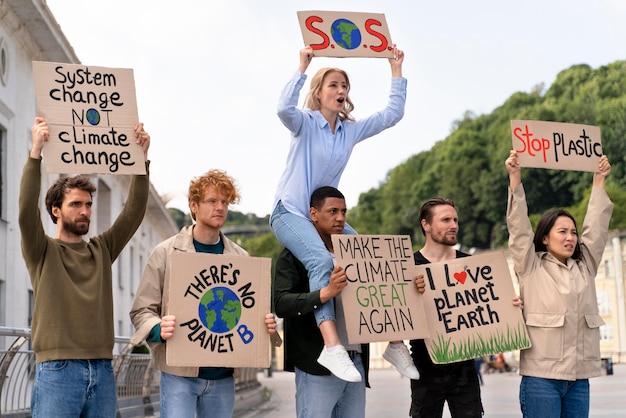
(368, 271)
(381, 296)
(314, 24)
(217, 343)
(531, 144)
(213, 275)
(360, 246)
(387, 320)
(478, 317)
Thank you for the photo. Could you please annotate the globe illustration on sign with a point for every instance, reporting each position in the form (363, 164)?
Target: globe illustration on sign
(93, 116)
(345, 33)
(219, 309)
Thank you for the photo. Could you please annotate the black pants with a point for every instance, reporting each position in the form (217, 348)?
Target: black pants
(456, 384)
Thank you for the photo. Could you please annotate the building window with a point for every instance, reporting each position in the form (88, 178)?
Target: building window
(606, 332)
(120, 270)
(604, 303)
(103, 206)
(3, 176)
(132, 270)
(3, 302)
(4, 63)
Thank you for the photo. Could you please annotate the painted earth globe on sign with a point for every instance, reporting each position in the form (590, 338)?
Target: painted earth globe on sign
(345, 33)
(219, 309)
(93, 116)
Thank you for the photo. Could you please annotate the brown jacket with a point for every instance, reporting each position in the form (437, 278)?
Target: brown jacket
(152, 297)
(560, 304)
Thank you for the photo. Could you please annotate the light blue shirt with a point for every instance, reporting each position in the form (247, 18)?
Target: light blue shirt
(317, 157)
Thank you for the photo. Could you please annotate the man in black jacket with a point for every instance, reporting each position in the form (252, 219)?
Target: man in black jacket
(455, 383)
(318, 392)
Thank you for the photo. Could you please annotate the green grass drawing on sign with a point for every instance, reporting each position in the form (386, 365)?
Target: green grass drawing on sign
(444, 351)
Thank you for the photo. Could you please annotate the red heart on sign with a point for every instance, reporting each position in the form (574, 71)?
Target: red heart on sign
(460, 277)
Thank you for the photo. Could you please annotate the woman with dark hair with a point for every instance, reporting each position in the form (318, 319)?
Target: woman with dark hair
(556, 270)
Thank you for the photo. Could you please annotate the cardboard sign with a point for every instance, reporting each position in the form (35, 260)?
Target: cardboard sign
(220, 302)
(91, 114)
(561, 146)
(380, 302)
(469, 304)
(346, 34)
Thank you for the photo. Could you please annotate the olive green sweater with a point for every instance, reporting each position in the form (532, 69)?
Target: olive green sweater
(73, 316)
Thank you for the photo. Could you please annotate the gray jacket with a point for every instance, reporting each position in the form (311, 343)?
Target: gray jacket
(152, 298)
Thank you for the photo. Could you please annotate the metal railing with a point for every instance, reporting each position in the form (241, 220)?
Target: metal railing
(137, 381)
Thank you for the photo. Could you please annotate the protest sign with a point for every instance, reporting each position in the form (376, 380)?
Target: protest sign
(380, 302)
(220, 302)
(561, 146)
(91, 114)
(469, 304)
(346, 34)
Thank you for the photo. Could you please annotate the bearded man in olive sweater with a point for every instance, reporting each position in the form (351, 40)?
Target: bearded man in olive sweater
(72, 328)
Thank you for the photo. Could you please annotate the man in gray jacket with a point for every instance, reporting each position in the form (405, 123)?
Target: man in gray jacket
(186, 391)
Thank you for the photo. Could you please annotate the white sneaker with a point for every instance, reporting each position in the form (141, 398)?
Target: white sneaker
(402, 361)
(338, 363)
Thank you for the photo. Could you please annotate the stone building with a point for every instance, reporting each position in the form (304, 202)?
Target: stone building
(29, 32)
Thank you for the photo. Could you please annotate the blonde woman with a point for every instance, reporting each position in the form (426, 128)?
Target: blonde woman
(322, 138)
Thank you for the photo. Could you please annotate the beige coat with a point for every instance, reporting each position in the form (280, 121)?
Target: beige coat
(152, 297)
(560, 304)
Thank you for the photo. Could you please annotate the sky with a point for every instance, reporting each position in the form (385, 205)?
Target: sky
(208, 75)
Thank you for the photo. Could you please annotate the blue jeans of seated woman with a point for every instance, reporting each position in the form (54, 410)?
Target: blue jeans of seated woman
(183, 397)
(299, 236)
(552, 398)
(330, 397)
(72, 388)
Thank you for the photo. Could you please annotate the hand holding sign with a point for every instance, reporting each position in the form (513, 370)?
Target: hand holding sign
(40, 133)
(143, 139)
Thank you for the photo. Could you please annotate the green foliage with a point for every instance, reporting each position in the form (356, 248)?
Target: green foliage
(468, 166)
(262, 246)
(239, 218)
(181, 218)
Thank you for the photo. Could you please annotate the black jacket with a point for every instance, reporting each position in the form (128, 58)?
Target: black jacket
(293, 301)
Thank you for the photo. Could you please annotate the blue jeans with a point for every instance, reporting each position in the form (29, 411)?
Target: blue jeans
(329, 396)
(183, 397)
(552, 398)
(73, 388)
(299, 236)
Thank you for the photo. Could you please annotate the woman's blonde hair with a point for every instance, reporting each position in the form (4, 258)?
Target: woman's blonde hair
(313, 103)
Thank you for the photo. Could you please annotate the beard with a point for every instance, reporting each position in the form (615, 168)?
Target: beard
(446, 240)
(74, 228)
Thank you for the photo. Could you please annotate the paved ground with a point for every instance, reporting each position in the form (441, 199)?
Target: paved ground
(390, 395)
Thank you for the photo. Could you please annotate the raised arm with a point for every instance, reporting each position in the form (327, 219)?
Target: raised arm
(604, 168)
(512, 166)
(306, 56)
(143, 139)
(40, 134)
(396, 62)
